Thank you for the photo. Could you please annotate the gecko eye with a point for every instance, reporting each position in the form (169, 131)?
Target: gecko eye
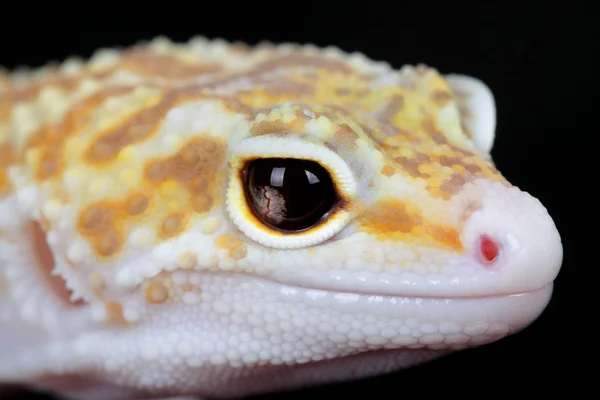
(288, 194)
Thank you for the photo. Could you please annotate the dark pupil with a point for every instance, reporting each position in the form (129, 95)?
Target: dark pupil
(289, 194)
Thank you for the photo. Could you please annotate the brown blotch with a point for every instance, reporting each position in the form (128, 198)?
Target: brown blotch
(343, 91)
(196, 160)
(472, 168)
(193, 167)
(50, 138)
(198, 185)
(452, 186)
(96, 218)
(411, 165)
(441, 97)
(132, 130)
(391, 109)
(459, 150)
(386, 132)
(449, 161)
(172, 226)
(137, 204)
(208, 146)
(99, 224)
(157, 171)
(140, 125)
(108, 244)
(202, 202)
(432, 130)
(267, 127)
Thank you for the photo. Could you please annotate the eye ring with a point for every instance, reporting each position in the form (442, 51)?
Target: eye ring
(265, 148)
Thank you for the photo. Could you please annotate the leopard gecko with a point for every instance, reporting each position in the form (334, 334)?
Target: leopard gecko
(219, 219)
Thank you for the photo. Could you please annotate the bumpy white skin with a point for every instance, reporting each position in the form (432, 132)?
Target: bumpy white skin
(279, 317)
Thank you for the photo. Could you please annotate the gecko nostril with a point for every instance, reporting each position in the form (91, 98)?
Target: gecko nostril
(489, 249)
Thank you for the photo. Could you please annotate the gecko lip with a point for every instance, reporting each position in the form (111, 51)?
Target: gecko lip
(515, 310)
(398, 294)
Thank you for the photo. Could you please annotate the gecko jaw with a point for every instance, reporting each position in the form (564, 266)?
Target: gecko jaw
(53, 279)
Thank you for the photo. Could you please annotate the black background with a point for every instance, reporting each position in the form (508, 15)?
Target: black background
(538, 59)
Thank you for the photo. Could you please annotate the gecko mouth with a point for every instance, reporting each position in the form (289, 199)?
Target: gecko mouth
(45, 263)
(348, 290)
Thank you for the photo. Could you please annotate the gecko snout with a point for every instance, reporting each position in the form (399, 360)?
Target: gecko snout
(513, 239)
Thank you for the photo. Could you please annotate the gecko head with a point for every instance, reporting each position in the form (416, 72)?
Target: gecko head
(294, 236)
(360, 209)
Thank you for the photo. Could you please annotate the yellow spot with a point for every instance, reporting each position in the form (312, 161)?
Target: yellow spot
(210, 226)
(99, 186)
(426, 169)
(173, 206)
(73, 178)
(168, 188)
(142, 236)
(237, 249)
(187, 260)
(127, 176)
(323, 123)
(128, 153)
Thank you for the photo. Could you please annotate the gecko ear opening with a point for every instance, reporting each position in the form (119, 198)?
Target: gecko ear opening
(477, 107)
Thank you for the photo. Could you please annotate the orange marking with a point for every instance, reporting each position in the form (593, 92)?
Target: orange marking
(387, 170)
(6, 159)
(51, 138)
(100, 224)
(157, 292)
(391, 219)
(173, 226)
(114, 313)
(237, 249)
